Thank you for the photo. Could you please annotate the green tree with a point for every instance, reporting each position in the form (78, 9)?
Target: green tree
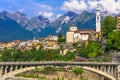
(61, 38)
(78, 71)
(113, 41)
(69, 56)
(6, 55)
(108, 25)
(92, 50)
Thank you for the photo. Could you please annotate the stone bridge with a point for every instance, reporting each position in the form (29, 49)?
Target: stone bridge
(109, 70)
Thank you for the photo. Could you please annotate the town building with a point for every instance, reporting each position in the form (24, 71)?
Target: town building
(51, 44)
(36, 44)
(1, 45)
(75, 35)
(51, 38)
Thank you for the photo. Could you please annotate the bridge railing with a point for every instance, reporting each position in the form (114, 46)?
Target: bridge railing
(58, 62)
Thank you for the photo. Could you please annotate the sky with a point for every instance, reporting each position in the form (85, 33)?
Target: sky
(53, 9)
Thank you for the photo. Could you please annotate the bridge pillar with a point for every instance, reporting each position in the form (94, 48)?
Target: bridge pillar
(112, 70)
(118, 72)
(97, 67)
(21, 67)
(11, 68)
(1, 70)
(101, 68)
(16, 67)
(6, 69)
(108, 70)
(104, 69)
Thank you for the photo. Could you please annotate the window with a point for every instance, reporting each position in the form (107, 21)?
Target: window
(97, 17)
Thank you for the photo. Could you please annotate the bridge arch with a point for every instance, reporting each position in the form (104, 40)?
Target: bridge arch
(9, 74)
(99, 72)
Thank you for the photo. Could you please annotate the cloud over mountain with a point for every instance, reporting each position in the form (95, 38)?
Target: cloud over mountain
(74, 5)
(46, 14)
(108, 7)
(30, 7)
(52, 8)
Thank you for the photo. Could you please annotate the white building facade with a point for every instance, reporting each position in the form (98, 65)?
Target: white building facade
(75, 35)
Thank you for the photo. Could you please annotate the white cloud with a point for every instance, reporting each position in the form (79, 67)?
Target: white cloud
(92, 4)
(31, 7)
(40, 13)
(46, 14)
(43, 7)
(21, 10)
(110, 7)
(58, 15)
(74, 5)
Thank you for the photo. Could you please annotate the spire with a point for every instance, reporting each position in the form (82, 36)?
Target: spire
(98, 26)
(97, 9)
(97, 5)
(73, 25)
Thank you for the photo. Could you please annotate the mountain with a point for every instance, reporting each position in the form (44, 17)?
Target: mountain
(17, 16)
(16, 25)
(11, 30)
(85, 20)
(43, 27)
(37, 23)
(59, 23)
(64, 19)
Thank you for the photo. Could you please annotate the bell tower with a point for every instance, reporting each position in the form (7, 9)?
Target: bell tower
(98, 26)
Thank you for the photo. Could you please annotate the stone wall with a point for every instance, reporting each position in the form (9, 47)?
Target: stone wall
(66, 75)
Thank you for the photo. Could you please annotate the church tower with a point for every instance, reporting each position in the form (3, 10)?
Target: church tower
(70, 33)
(98, 26)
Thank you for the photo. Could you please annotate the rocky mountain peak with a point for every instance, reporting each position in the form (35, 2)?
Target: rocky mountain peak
(3, 13)
(71, 14)
(36, 23)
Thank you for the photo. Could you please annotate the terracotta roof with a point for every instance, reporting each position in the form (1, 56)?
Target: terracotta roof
(1, 43)
(87, 31)
(118, 15)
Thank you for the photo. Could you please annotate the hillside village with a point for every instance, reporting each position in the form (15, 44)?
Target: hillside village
(50, 42)
(65, 44)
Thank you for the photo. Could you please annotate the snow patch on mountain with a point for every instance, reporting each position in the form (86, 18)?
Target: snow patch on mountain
(58, 30)
(65, 20)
